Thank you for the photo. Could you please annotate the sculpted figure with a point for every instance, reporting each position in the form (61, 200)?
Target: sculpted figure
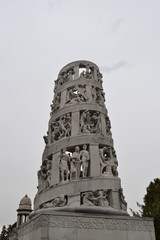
(88, 199)
(103, 159)
(71, 96)
(90, 122)
(100, 97)
(88, 73)
(64, 162)
(85, 122)
(46, 138)
(123, 203)
(55, 103)
(97, 198)
(55, 86)
(75, 165)
(67, 124)
(102, 199)
(113, 158)
(81, 93)
(108, 126)
(99, 77)
(57, 202)
(84, 156)
(61, 128)
(63, 78)
(48, 178)
(96, 118)
(55, 131)
(44, 176)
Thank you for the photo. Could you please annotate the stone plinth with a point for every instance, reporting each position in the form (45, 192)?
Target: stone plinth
(59, 225)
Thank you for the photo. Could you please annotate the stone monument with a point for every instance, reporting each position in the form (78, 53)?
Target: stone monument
(79, 191)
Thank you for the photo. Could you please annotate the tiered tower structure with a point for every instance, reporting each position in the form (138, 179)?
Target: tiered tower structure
(79, 164)
(79, 191)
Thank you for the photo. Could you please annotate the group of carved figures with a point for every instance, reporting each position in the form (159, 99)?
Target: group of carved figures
(61, 127)
(90, 122)
(72, 166)
(75, 165)
(95, 198)
(44, 175)
(68, 75)
(78, 94)
(99, 198)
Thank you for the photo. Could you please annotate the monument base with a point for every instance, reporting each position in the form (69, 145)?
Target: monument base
(49, 224)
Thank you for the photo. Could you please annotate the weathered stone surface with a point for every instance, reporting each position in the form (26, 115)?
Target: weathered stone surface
(79, 191)
(67, 226)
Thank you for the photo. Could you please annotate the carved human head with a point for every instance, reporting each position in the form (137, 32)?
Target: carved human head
(84, 147)
(64, 150)
(77, 149)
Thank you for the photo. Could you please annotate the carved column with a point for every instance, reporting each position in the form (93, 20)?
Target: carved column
(75, 124)
(76, 72)
(63, 98)
(94, 160)
(88, 92)
(55, 169)
(103, 122)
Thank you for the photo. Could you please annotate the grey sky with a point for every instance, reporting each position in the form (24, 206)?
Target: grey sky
(37, 38)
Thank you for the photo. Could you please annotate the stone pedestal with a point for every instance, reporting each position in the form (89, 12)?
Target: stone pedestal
(59, 225)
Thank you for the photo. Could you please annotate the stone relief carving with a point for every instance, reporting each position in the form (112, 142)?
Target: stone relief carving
(108, 126)
(60, 201)
(94, 94)
(55, 103)
(95, 198)
(84, 156)
(108, 161)
(45, 138)
(99, 77)
(64, 77)
(61, 127)
(98, 96)
(44, 175)
(88, 73)
(102, 224)
(90, 122)
(77, 94)
(73, 165)
(123, 203)
(64, 165)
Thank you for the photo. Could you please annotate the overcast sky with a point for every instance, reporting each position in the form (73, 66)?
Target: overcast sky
(39, 37)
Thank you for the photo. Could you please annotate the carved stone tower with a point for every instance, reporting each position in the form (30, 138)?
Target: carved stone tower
(79, 191)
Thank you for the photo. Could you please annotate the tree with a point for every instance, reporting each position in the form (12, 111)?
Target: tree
(8, 233)
(151, 206)
(4, 233)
